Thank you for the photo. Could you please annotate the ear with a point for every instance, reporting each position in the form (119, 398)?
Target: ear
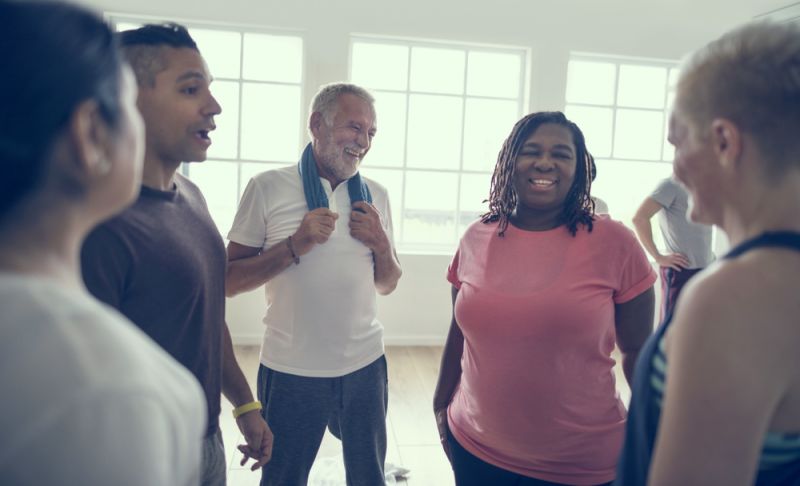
(726, 141)
(315, 122)
(90, 136)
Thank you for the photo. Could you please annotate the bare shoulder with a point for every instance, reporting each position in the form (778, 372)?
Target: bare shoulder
(748, 307)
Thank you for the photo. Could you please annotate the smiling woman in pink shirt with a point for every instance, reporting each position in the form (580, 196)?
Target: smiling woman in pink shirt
(542, 291)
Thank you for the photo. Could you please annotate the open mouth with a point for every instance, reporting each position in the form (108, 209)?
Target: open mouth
(542, 183)
(353, 153)
(203, 135)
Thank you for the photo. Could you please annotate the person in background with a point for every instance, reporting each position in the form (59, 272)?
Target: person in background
(717, 392)
(688, 243)
(542, 291)
(322, 360)
(162, 261)
(88, 398)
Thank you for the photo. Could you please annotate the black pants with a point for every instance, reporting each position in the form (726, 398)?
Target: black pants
(471, 471)
(672, 282)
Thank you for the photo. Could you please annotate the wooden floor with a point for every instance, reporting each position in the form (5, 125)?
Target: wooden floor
(413, 442)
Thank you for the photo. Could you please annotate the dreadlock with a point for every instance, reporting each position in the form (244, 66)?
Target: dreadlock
(578, 205)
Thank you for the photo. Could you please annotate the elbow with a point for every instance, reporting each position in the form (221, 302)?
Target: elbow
(386, 288)
(230, 291)
(232, 287)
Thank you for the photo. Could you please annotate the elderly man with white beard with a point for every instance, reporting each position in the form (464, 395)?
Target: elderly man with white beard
(320, 237)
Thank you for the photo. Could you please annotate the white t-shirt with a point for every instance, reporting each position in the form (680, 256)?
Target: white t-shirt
(87, 397)
(321, 314)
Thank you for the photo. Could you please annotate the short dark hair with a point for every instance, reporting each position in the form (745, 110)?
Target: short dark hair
(58, 56)
(578, 206)
(142, 48)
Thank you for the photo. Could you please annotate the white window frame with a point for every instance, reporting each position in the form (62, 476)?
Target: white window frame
(671, 66)
(522, 99)
(240, 29)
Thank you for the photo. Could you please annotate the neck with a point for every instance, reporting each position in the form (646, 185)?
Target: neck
(535, 220)
(157, 173)
(768, 207)
(45, 243)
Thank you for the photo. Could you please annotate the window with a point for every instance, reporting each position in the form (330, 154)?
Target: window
(260, 127)
(443, 110)
(622, 107)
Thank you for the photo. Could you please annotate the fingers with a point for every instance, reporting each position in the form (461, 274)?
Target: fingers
(679, 261)
(364, 207)
(324, 212)
(261, 457)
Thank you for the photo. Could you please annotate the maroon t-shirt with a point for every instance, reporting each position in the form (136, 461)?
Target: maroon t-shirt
(162, 264)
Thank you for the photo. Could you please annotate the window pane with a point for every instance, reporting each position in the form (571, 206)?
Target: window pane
(597, 126)
(429, 215)
(218, 181)
(123, 26)
(641, 86)
(493, 74)
(380, 66)
(487, 123)
(674, 74)
(591, 82)
(270, 122)
(273, 58)
(639, 134)
(474, 189)
(434, 131)
(625, 184)
(392, 180)
(221, 50)
(388, 146)
(225, 137)
(437, 70)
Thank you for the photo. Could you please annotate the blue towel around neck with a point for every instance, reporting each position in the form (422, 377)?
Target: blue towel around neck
(312, 186)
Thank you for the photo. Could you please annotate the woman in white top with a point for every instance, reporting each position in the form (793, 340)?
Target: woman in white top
(87, 398)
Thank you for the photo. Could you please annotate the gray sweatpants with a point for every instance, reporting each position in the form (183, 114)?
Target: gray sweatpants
(298, 408)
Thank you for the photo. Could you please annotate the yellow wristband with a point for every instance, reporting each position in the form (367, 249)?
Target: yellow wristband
(247, 407)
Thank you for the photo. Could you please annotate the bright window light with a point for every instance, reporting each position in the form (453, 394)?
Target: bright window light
(260, 127)
(622, 106)
(443, 110)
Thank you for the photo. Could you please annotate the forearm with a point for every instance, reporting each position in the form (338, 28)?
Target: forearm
(450, 368)
(249, 273)
(644, 231)
(387, 270)
(634, 324)
(234, 384)
(629, 364)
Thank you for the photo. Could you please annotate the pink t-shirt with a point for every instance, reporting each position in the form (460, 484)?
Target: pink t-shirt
(537, 394)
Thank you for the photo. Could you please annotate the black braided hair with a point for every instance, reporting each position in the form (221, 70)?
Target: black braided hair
(578, 205)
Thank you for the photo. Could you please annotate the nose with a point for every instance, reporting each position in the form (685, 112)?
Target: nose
(362, 139)
(212, 107)
(544, 164)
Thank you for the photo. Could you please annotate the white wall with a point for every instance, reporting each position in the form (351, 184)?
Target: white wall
(418, 312)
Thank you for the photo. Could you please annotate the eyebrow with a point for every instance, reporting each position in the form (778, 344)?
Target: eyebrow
(191, 75)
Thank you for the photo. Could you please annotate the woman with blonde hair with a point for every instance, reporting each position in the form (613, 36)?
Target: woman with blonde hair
(717, 392)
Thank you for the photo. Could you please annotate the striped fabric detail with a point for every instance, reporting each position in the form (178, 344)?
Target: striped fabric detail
(778, 449)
